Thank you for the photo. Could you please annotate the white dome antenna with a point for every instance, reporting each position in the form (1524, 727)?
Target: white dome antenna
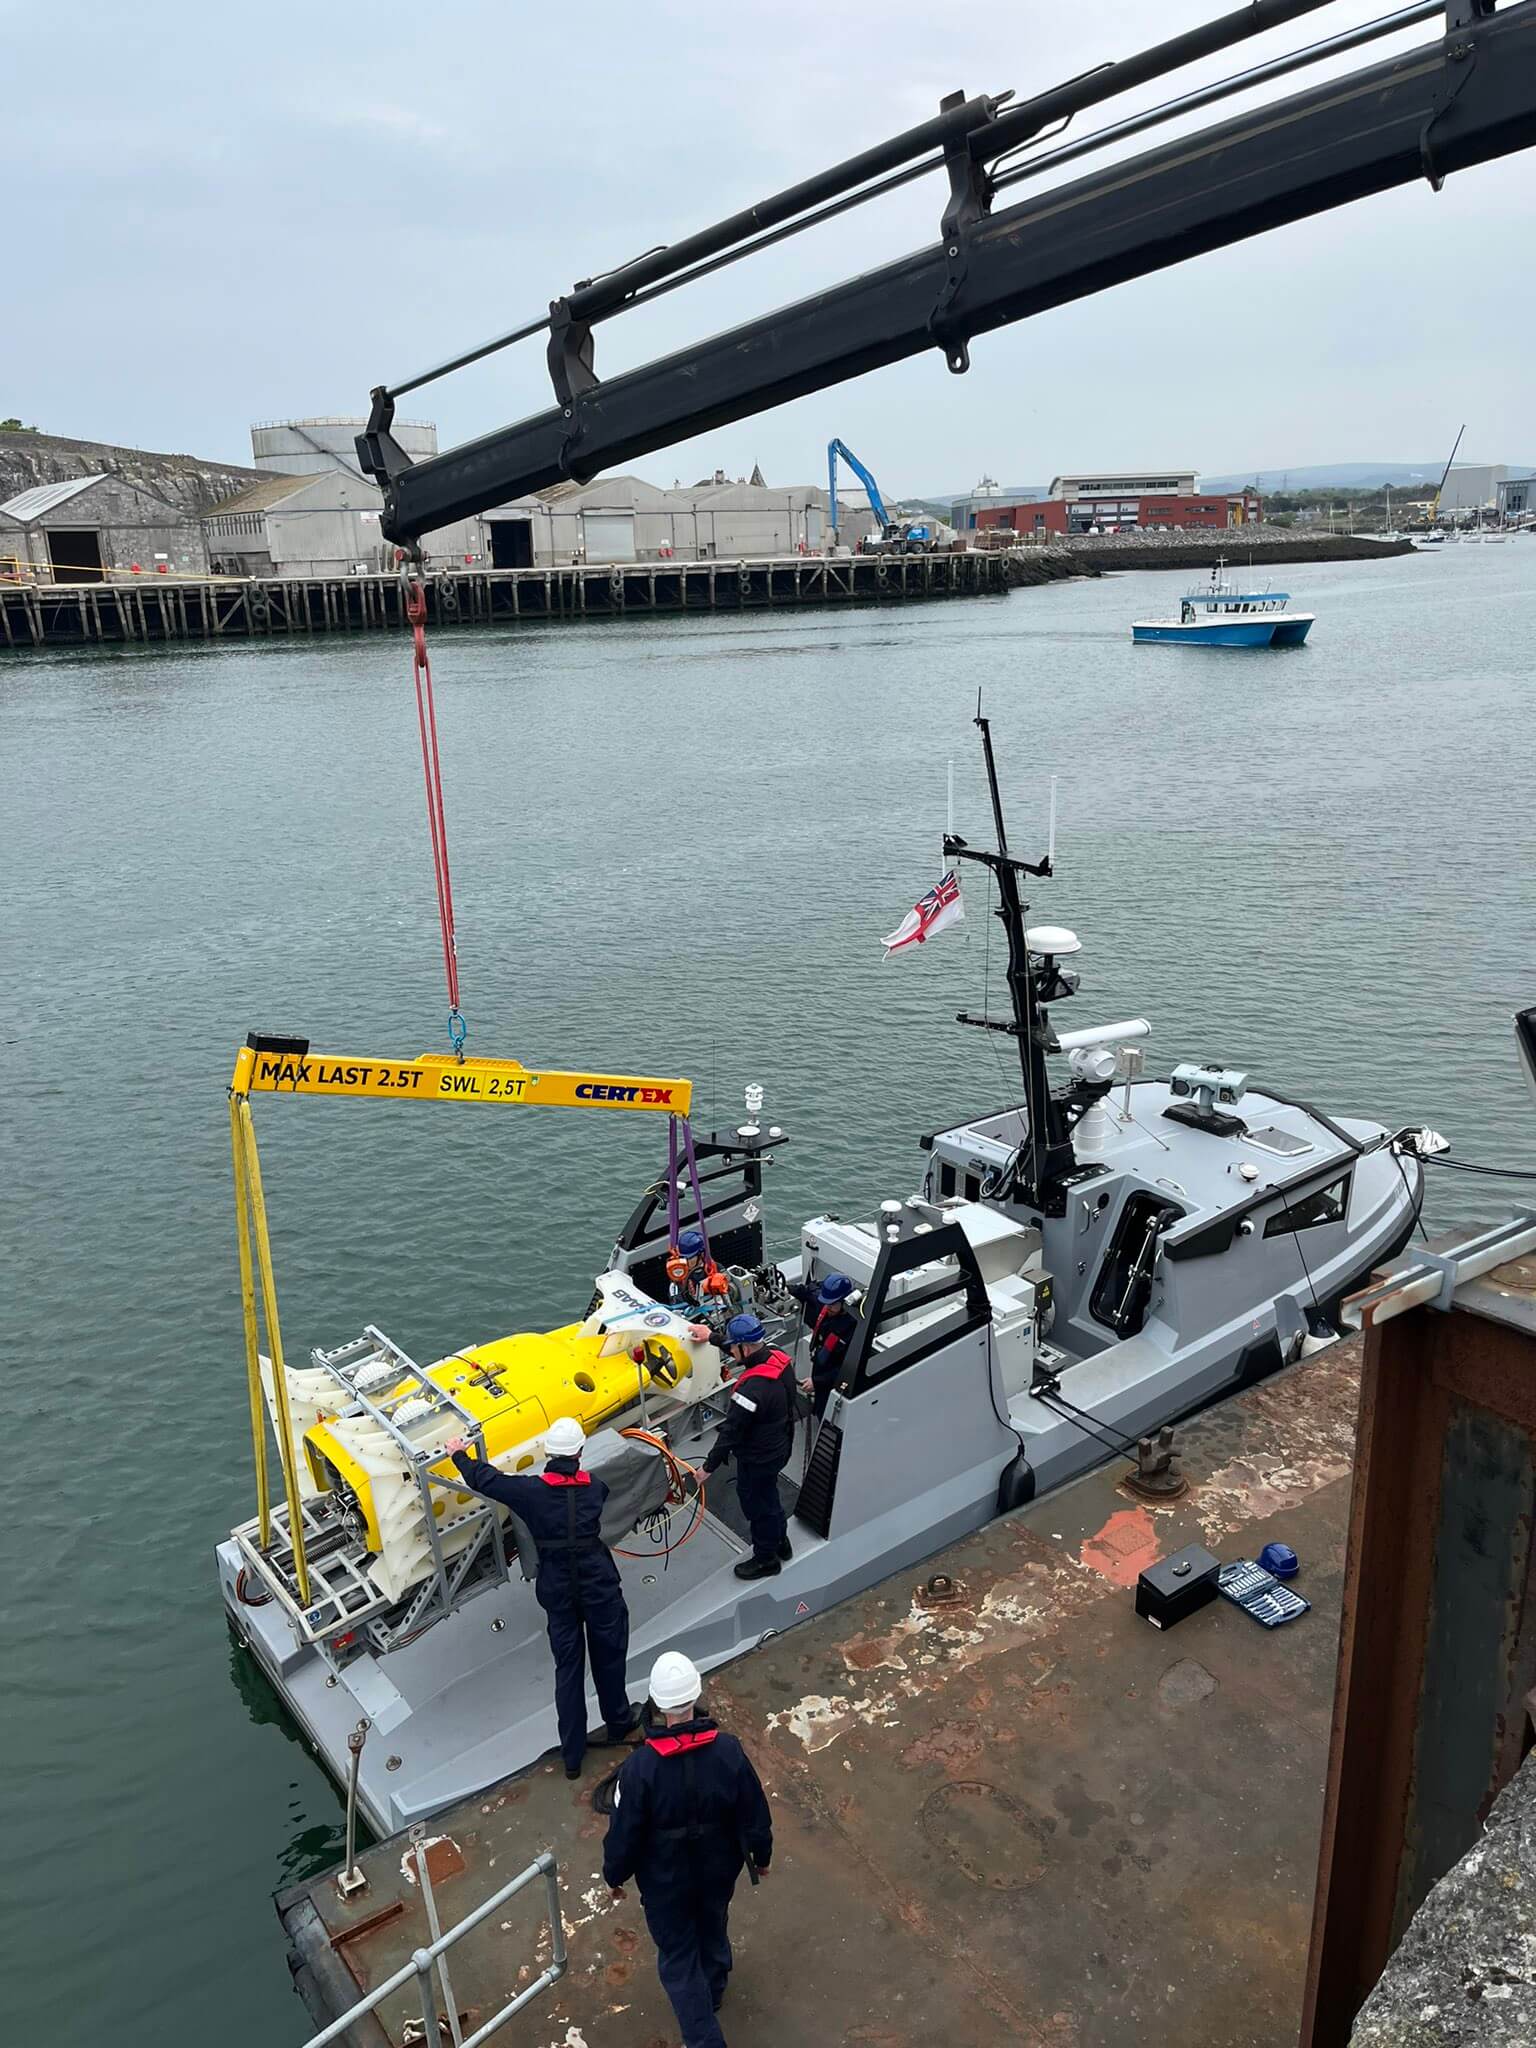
(1052, 939)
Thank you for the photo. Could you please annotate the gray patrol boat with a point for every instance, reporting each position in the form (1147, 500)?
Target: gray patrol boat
(1074, 1270)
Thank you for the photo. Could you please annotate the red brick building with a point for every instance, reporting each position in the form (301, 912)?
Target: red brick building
(1088, 506)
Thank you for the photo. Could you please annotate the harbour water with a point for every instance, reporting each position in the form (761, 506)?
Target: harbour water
(676, 846)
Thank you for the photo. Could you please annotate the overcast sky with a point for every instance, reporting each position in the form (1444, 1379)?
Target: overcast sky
(223, 215)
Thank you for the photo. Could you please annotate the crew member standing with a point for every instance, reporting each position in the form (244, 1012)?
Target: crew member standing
(577, 1585)
(759, 1433)
(830, 1324)
(688, 1811)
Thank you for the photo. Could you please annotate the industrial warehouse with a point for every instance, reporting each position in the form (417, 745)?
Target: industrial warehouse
(305, 509)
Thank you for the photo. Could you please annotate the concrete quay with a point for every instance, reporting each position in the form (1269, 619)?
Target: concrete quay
(1005, 1808)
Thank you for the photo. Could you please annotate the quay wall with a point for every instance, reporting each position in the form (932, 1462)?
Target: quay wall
(1266, 547)
(153, 608)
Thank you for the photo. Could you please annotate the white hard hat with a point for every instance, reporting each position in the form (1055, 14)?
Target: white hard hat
(564, 1438)
(675, 1681)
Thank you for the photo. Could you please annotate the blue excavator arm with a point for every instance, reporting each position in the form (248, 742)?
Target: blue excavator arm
(835, 449)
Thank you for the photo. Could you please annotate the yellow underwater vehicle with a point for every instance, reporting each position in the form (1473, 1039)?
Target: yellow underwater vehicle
(599, 1371)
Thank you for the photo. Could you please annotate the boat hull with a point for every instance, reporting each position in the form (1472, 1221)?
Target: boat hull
(1285, 630)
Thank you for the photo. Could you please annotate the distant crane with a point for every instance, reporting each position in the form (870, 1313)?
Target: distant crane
(835, 449)
(1434, 513)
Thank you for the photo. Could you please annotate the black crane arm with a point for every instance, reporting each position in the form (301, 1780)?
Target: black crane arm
(1463, 99)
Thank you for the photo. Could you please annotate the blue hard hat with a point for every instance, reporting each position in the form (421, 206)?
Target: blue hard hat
(835, 1287)
(691, 1244)
(1279, 1559)
(744, 1330)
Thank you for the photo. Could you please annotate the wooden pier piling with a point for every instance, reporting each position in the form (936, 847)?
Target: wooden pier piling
(151, 609)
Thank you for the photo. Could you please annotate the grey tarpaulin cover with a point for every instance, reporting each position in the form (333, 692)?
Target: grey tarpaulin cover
(636, 1478)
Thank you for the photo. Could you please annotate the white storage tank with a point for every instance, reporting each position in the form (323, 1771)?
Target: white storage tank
(321, 447)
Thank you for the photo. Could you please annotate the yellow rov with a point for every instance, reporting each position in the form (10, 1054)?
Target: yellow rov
(370, 1420)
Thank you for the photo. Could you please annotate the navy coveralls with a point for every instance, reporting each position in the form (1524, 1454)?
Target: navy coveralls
(688, 1810)
(831, 1328)
(577, 1586)
(759, 1432)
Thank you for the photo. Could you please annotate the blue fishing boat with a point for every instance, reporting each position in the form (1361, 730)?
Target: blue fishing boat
(1221, 614)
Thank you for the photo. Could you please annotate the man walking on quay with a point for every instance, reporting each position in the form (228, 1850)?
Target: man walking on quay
(578, 1583)
(688, 1812)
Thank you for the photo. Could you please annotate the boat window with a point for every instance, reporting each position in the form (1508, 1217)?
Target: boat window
(946, 1180)
(973, 1187)
(1309, 1212)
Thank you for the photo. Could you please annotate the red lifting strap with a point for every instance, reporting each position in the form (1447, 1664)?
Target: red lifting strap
(566, 1478)
(673, 1745)
(432, 771)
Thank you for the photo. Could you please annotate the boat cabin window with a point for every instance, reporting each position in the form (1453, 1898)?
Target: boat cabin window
(972, 1187)
(946, 1180)
(1309, 1212)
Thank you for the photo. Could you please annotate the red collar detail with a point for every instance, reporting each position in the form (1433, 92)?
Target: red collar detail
(770, 1368)
(673, 1745)
(566, 1478)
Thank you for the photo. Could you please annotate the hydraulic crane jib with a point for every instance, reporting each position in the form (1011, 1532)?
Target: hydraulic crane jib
(1463, 99)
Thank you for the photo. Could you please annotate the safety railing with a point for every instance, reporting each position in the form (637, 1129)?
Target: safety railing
(429, 1966)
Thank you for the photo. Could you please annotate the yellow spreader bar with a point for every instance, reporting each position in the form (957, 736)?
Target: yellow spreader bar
(438, 1077)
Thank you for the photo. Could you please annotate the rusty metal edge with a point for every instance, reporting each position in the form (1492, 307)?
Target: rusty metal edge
(320, 1975)
(1414, 1370)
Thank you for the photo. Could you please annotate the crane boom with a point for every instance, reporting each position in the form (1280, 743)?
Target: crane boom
(1465, 98)
(835, 449)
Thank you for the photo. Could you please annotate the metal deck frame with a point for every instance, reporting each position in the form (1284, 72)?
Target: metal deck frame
(349, 1600)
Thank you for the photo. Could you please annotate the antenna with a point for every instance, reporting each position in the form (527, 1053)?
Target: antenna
(1046, 1153)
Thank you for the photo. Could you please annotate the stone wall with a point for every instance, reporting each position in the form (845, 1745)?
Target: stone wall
(1270, 548)
(1464, 1975)
(186, 482)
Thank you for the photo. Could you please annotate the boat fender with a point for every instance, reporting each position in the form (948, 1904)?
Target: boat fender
(1016, 1488)
(1257, 1361)
(447, 596)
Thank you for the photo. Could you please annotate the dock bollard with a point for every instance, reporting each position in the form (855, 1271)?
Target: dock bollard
(352, 1881)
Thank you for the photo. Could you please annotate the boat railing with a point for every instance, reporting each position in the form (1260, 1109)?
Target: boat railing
(429, 1966)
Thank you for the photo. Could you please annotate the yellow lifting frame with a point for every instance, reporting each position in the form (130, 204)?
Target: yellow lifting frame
(251, 1213)
(288, 1067)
